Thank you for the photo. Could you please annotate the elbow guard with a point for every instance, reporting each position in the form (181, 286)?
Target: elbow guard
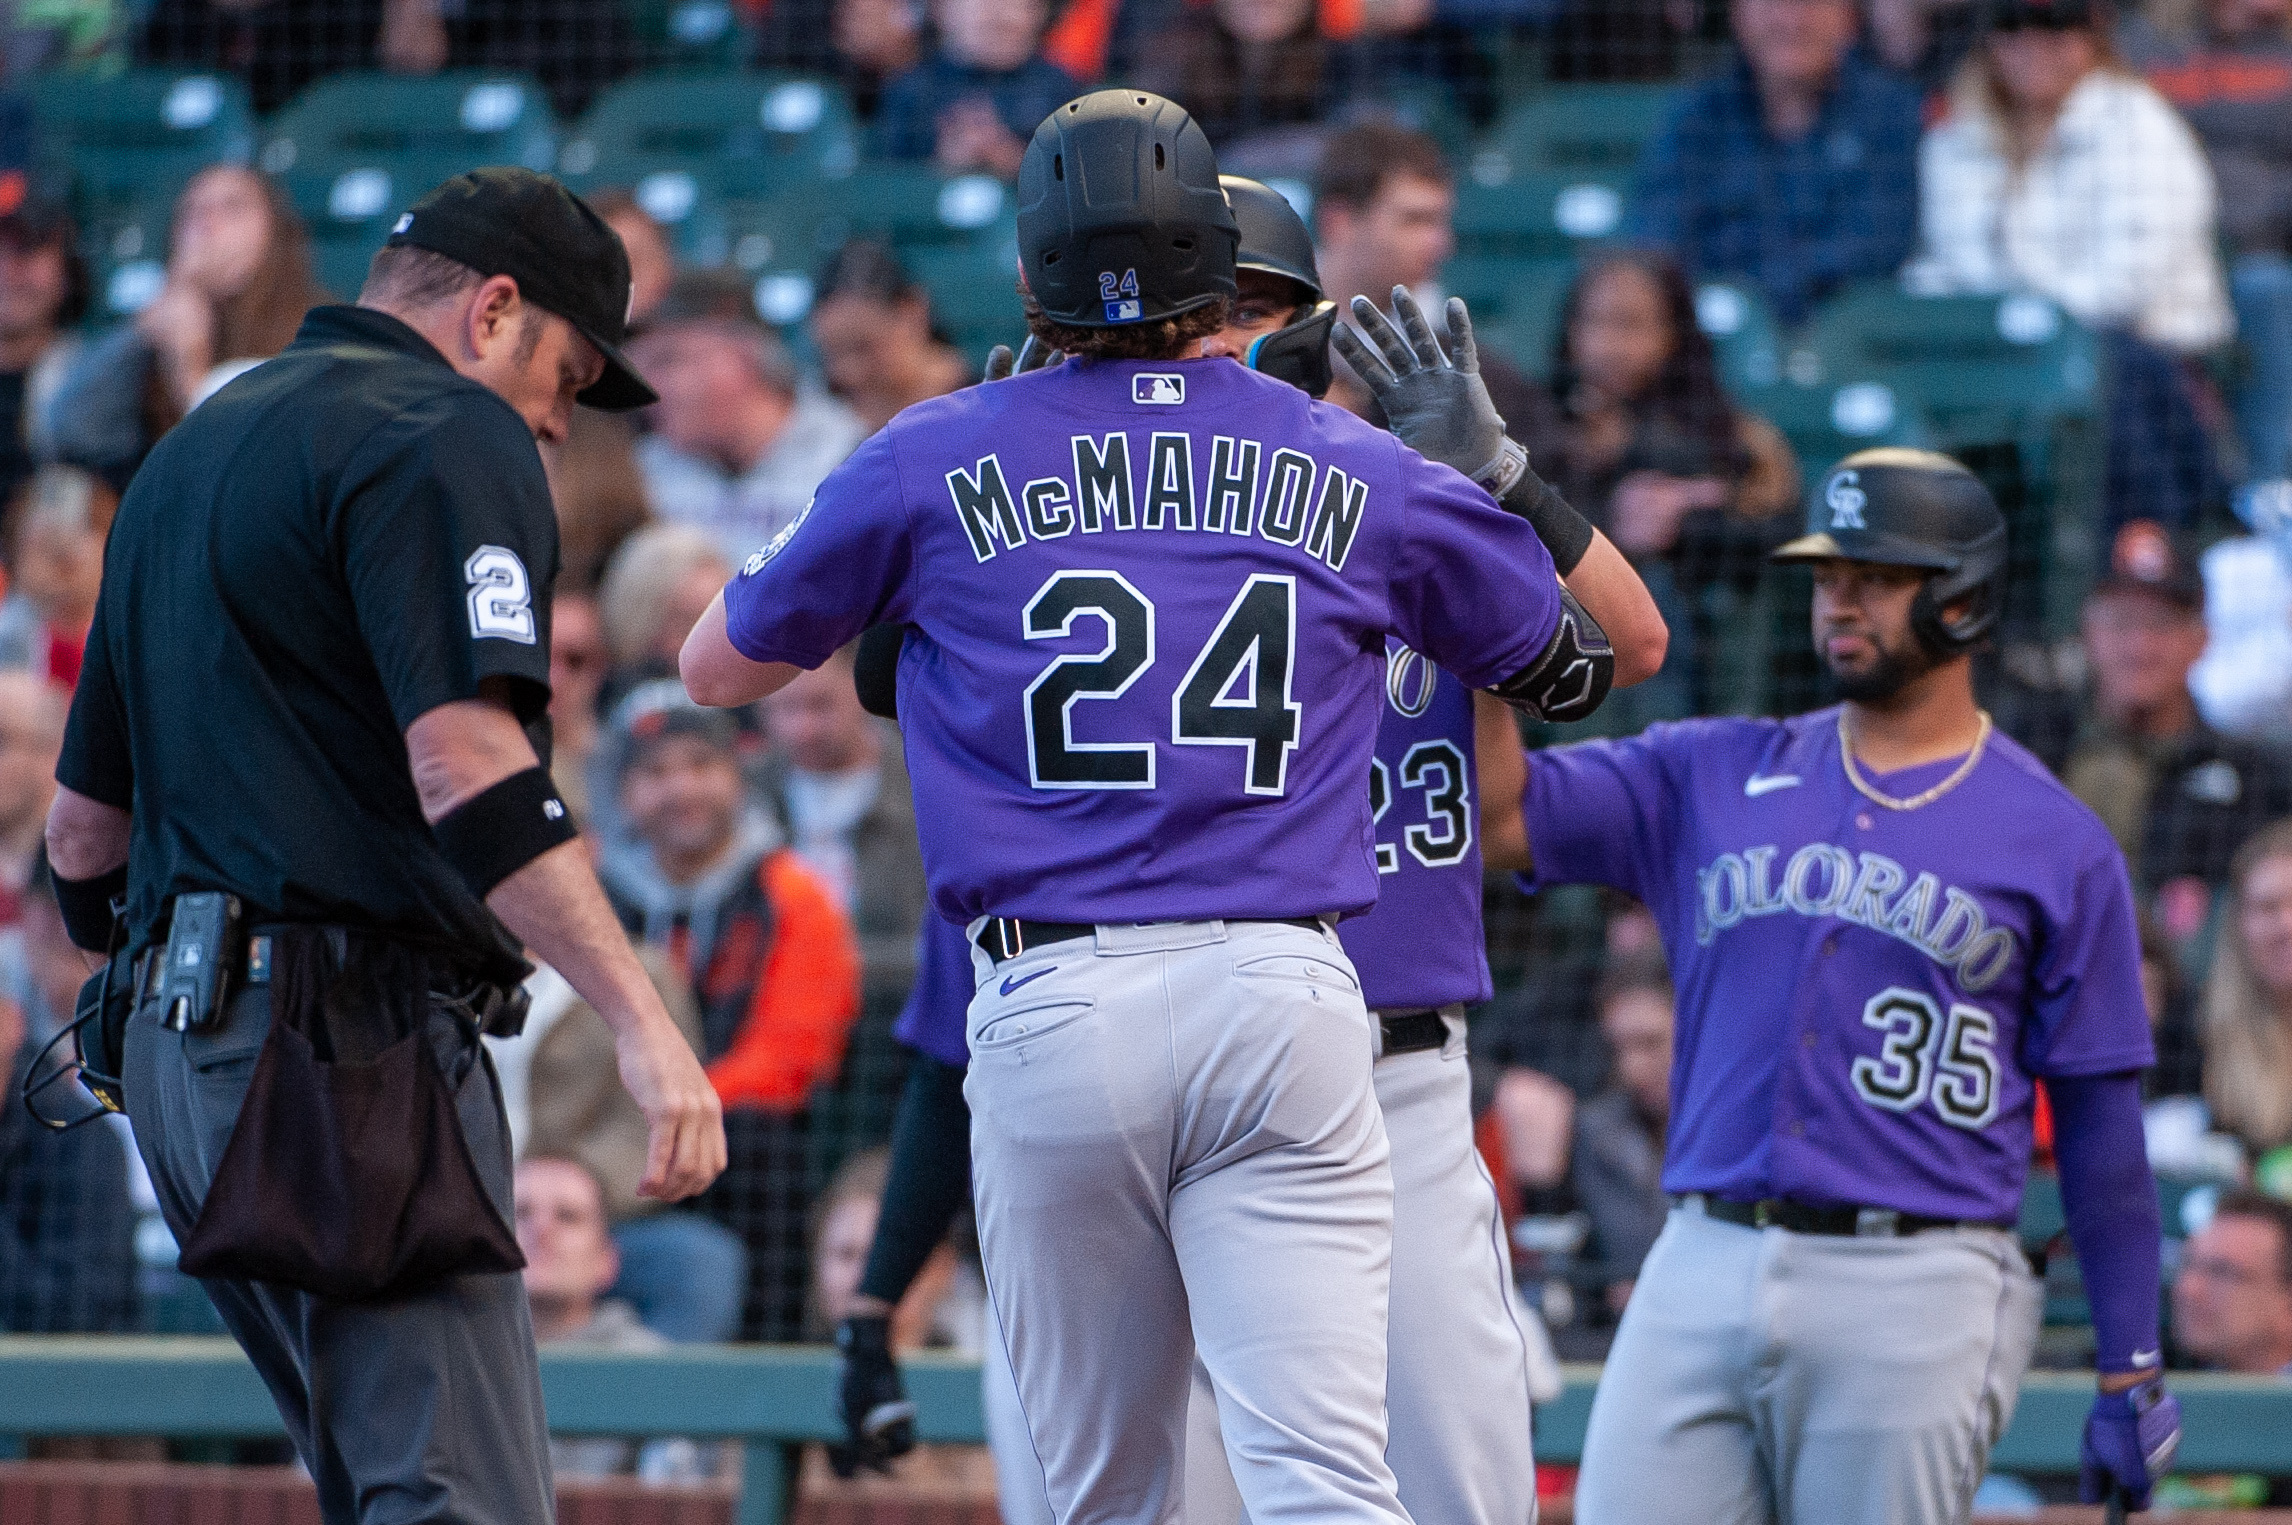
(1571, 677)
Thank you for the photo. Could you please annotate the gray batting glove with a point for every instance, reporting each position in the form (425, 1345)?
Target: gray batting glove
(1438, 407)
(1033, 356)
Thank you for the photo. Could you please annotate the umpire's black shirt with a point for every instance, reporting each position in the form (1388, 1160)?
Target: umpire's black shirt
(346, 537)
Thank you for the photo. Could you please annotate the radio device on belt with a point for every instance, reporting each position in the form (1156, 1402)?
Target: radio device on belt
(194, 974)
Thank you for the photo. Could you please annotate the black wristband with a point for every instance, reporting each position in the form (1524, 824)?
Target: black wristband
(86, 907)
(1565, 533)
(501, 828)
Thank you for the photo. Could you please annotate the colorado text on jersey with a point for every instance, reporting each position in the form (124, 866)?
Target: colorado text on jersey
(1822, 879)
(1246, 490)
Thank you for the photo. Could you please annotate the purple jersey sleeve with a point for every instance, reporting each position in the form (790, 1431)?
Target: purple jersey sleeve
(842, 566)
(1474, 588)
(2088, 1015)
(1606, 812)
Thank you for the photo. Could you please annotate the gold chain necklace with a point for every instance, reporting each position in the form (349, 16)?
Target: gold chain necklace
(1870, 792)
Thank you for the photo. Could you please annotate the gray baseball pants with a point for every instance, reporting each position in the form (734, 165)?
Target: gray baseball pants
(1176, 1147)
(421, 1409)
(1762, 1375)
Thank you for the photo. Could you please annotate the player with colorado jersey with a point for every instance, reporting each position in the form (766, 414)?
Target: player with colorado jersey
(1886, 923)
(1147, 599)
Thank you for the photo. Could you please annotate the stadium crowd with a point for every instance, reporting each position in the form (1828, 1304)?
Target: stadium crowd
(2123, 176)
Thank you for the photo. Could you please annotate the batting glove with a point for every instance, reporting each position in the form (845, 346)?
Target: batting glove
(1033, 356)
(875, 1407)
(2130, 1438)
(1438, 407)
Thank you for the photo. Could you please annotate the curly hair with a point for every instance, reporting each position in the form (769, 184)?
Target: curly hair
(1163, 339)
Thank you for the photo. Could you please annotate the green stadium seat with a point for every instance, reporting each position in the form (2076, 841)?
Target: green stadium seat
(744, 135)
(1588, 129)
(1528, 321)
(125, 245)
(705, 36)
(430, 127)
(1825, 423)
(1984, 369)
(137, 137)
(1538, 214)
(974, 293)
(911, 206)
(1744, 336)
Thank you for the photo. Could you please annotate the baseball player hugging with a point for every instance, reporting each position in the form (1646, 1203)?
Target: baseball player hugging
(1886, 923)
(1147, 599)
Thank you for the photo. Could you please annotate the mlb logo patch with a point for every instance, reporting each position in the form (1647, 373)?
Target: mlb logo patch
(1158, 387)
(1124, 312)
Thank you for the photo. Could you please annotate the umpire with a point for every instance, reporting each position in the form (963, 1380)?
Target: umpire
(308, 748)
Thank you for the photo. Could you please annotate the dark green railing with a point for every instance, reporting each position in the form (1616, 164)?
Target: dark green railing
(769, 1397)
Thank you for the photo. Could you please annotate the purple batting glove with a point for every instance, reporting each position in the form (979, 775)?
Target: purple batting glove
(2130, 1438)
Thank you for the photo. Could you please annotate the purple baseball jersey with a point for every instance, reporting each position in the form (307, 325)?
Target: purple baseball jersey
(1422, 945)
(933, 1018)
(1148, 608)
(1865, 994)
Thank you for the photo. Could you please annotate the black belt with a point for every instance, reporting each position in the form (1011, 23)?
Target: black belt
(1412, 1032)
(1004, 938)
(1840, 1222)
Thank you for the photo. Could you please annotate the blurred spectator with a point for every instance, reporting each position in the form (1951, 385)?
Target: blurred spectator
(238, 284)
(837, 778)
(67, 1228)
(2179, 797)
(760, 940)
(879, 345)
(1242, 66)
(2232, 1302)
(569, 1262)
(1637, 433)
(766, 953)
(973, 104)
(43, 296)
(2227, 65)
(31, 736)
(1617, 1170)
(843, 1227)
(1602, 40)
(54, 537)
(275, 46)
(1925, 40)
(2243, 683)
(684, 1275)
(875, 41)
(572, 46)
(577, 665)
(2248, 999)
(738, 444)
(656, 588)
(652, 258)
(2179, 1070)
(1383, 205)
(598, 491)
(2059, 172)
(1796, 167)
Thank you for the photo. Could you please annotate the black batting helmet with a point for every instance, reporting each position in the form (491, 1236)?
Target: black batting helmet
(1275, 241)
(1914, 508)
(1121, 218)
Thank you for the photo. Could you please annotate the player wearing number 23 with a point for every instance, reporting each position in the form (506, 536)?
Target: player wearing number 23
(1148, 601)
(1886, 923)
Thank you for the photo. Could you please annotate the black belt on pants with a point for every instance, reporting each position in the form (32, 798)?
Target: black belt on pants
(1004, 938)
(1412, 1032)
(1839, 1222)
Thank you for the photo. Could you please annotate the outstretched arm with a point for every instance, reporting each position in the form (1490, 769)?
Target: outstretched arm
(1502, 766)
(1440, 407)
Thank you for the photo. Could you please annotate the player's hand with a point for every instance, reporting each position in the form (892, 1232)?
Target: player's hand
(1438, 407)
(2130, 1438)
(1033, 356)
(877, 1413)
(683, 1119)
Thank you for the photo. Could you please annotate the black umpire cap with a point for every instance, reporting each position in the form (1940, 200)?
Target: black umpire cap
(509, 221)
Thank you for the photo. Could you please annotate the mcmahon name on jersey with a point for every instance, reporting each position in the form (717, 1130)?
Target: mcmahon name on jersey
(1245, 488)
